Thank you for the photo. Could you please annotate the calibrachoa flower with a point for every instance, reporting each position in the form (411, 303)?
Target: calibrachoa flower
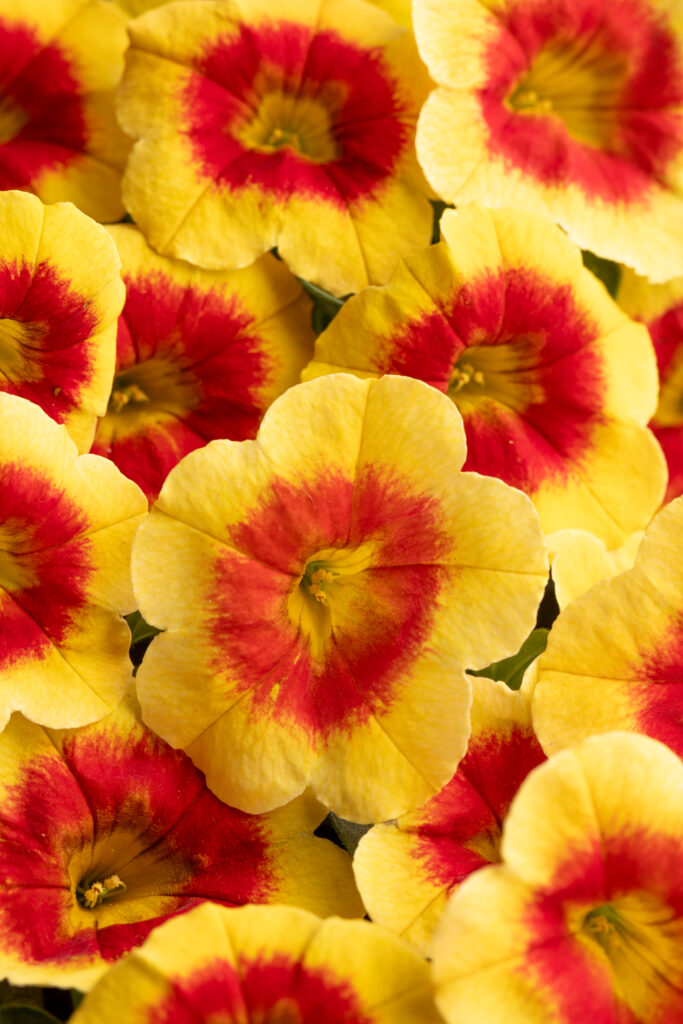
(200, 354)
(58, 311)
(105, 831)
(555, 384)
(579, 559)
(66, 526)
(61, 61)
(264, 124)
(254, 964)
(407, 869)
(568, 107)
(322, 590)
(583, 920)
(614, 658)
(660, 307)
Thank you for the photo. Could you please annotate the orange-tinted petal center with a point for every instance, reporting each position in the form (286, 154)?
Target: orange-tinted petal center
(155, 384)
(581, 85)
(640, 936)
(302, 123)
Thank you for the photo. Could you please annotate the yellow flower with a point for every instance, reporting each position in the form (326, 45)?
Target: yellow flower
(66, 528)
(571, 108)
(257, 964)
(583, 920)
(105, 832)
(61, 61)
(322, 590)
(58, 311)
(407, 869)
(615, 655)
(555, 384)
(200, 354)
(277, 124)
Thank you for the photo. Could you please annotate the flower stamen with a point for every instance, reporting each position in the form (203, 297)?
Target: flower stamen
(96, 893)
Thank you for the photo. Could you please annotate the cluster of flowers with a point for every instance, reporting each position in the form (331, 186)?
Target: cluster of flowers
(329, 524)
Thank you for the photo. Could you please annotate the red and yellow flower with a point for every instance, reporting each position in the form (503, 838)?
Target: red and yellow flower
(660, 307)
(614, 658)
(66, 528)
(407, 869)
(277, 124)
(583, 920)
(200, 354)
(105, 832)
(58, 311)
(254, 964)
(566, 107)
(555, 384)
(59, 138)
(322, 590)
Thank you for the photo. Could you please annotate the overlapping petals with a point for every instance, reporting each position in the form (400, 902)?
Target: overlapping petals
(584, 918)
(572, 109)
(105, 832)
(407, 869)
(266, 124)
(66, 527)
(615, 655)
(554, 383)
(265, 963)
(59, 137)
(322, 590)
(200, 354)
(660, 307)
(58, 312)
(579, 560)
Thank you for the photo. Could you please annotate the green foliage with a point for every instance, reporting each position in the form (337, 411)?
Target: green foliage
(511, 670)
(605, 270)
(140, 635)
(325, 305)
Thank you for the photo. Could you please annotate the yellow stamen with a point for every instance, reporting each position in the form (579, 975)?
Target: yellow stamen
(98, 891)
(318, 577)
(463, 373)
(121, 397)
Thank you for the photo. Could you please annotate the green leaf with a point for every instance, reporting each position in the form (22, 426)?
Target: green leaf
(139, 629)
(511, 670)
(325, 305)
(77, 997)
(605, 270)
(24, 1013)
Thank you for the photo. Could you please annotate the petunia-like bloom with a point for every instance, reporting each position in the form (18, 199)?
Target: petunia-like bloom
(583, 920)
(59, 137)
(58, 311)
(264, 124)
(570, 108)
(614, 658)
(660, 307)
(249, 965)
(322, 590)
(105, 832)
(579, 559)
(407, 869)
(66, 527)
(555, 384)
(200, 354)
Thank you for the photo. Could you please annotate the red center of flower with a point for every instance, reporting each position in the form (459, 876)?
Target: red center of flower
(42, 126)
(276, 106)
(585, 94)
